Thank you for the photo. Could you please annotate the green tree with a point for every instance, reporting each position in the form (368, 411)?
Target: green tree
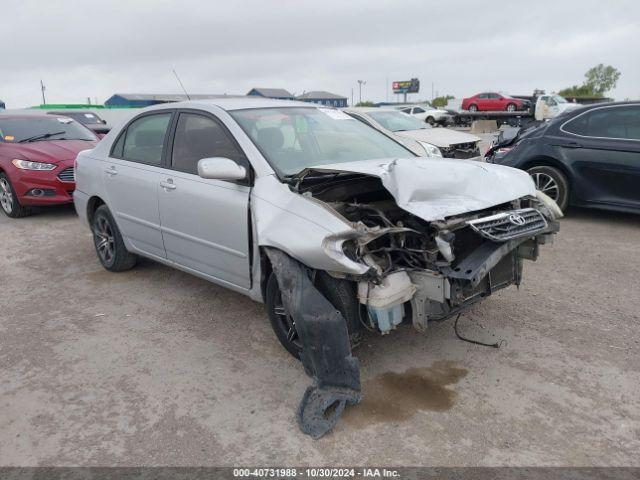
(601, 79)
(366, 103)
(598, 81)
(440, 102)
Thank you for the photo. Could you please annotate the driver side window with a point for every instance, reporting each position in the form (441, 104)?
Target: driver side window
(198, 137)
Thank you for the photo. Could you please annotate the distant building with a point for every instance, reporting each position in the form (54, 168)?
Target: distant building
(324, 98)
(148, 99)
(2, 105)
(277, 93)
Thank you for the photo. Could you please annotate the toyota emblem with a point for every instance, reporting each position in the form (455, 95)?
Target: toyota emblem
(517, 219)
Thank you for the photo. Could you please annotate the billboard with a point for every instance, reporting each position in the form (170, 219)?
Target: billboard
(406, 86)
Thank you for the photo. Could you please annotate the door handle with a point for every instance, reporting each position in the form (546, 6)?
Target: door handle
(111, 171)
(168, 185)
(571, 145)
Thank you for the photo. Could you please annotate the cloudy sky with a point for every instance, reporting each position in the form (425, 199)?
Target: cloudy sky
(93, 49)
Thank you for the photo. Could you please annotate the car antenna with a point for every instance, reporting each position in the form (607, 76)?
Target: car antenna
(181, 85)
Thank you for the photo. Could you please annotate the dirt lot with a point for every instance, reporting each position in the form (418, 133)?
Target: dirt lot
(155, 367)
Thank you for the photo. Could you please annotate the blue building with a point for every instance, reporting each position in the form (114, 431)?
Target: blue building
(148, 99)
(277, 93)
(324, 98)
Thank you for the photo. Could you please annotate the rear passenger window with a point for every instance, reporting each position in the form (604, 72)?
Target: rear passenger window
(199, 137)
(144, 139)
(613, 122)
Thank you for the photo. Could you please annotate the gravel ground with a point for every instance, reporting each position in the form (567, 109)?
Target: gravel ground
(156, 367)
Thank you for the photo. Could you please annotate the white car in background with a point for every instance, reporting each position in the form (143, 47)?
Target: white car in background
(418, 136)
(550, 106)
(428, 114)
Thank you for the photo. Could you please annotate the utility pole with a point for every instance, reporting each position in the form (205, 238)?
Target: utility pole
(44, 100)
(386, 80)
(352, 97)
(360, 83)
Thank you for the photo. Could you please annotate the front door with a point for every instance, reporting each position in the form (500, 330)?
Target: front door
(604, 147)
(205, 223)
(132, 177)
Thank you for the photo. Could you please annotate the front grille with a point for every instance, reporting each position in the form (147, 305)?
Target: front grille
(67, 175)
(509, 225)
(461, 151)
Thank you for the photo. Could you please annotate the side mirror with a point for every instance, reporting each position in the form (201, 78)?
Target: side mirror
(220, 168)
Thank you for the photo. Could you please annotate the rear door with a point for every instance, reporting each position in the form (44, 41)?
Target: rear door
(205, 223)
(131, 179)
(483, 101)
(603, 145)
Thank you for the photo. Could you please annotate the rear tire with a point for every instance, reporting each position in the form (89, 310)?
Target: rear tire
(112, 253)
(9, 200)
(340, 293)
(552, 182)
(473, 108)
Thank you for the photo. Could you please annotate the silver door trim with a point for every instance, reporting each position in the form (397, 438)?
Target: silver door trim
(137, 220)
(201, 241)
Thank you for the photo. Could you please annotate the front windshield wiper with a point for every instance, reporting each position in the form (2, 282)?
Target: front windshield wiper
(40, 136)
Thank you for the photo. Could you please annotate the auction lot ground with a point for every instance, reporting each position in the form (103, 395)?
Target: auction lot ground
(156, 367)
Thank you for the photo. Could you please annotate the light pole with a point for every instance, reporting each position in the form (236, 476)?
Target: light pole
(360, 83)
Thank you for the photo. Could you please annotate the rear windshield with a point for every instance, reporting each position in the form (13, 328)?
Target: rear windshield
(85, 118)
(15, 130)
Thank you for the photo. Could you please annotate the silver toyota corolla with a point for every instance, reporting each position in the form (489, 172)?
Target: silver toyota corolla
(334, 225)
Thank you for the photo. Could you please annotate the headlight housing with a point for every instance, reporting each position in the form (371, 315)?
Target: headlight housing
(29, 165)
(432, 150)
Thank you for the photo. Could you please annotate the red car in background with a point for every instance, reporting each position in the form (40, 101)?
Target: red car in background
(491, 101)
(37, 155)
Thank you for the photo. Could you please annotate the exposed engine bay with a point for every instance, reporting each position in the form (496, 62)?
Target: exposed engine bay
(440, 266)
(413, 254)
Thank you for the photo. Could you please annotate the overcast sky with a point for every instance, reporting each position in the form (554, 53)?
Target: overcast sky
(93, 49)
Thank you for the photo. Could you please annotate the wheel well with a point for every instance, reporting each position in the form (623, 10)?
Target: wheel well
(265, 273)
(549, 162)
(92, 206)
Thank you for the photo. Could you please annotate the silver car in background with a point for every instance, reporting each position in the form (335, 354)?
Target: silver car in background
(334, 225)
(421, 138)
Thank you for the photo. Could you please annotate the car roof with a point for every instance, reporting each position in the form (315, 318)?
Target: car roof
(23, 116)
(235, 103)
(371, 109)
(592, 106)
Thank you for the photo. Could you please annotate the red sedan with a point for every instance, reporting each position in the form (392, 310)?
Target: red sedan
(37, 155)
(490, 101)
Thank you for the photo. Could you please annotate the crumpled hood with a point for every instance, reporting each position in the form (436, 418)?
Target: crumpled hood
(53, 151)
(440, 137)
(434, 189)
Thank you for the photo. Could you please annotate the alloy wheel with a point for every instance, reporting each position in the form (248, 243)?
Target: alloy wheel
(511, 108)
(105, 240)
(546, 184)
(6, 196)
(287, 324)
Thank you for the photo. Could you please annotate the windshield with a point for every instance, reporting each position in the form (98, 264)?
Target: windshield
(14, 130)
(292, 139)
(397, 121)
(85, 118)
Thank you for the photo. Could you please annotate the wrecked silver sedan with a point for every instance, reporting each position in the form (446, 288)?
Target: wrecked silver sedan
(332, 224)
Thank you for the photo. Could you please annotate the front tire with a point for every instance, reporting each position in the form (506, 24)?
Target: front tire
(112, 253)
(511, 107)
(9, 200)
(340, 293)
(431, 121)
(552, 182)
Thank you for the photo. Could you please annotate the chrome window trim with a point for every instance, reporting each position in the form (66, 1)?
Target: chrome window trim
(601, 138)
